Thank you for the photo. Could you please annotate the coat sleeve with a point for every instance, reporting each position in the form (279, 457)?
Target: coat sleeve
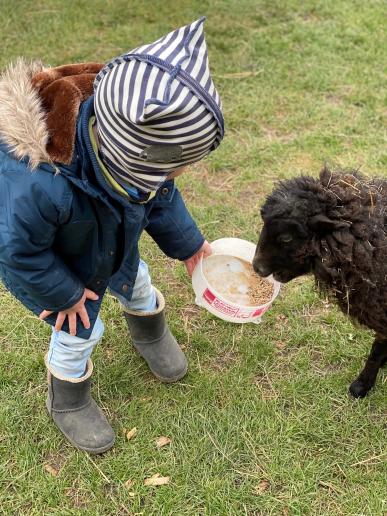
(26, 250)
(172, 227)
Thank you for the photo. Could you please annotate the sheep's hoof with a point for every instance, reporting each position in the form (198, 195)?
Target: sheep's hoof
(358, 389)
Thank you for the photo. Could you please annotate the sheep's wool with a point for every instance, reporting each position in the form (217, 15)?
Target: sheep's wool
(157, 108)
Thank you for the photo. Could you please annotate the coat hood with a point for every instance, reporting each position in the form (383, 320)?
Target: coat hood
(39, 108)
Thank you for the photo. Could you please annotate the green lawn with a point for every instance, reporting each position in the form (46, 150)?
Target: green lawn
(263, 423)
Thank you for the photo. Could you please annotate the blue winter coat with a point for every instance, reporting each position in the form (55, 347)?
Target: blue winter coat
(62, 232)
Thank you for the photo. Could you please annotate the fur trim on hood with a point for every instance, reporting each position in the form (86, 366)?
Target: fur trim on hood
(39, 108)
(22, 119)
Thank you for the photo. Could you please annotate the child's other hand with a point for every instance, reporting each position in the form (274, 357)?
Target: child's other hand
(78, 309)
(204, 251)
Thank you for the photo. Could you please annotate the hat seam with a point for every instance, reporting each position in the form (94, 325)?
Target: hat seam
(186, 79)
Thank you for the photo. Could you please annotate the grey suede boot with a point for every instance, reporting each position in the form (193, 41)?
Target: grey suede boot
(76, 414)
(155, 343)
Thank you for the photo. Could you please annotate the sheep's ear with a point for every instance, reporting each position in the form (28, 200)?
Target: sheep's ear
(323, 224)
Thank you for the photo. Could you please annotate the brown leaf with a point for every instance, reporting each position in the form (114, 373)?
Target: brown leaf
(51, 469)
(156, 480)
(263, 486)
(163, 441)
(131, 433)
(53, 462)
(129, 483)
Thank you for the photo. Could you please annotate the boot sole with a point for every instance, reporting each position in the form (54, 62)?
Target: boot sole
(173, 379)
(92, 451)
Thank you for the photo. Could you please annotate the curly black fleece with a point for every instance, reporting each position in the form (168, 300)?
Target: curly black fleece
(350, 263)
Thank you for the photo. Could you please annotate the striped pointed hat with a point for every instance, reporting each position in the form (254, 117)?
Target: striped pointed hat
(157, 109)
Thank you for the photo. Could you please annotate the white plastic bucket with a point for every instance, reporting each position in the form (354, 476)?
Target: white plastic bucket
(213, 301)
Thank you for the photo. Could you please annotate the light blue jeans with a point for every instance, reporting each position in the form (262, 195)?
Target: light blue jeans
(68, 354)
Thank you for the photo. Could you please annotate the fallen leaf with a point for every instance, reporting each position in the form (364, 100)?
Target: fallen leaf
(156, 480)
(263, 486)
(50, 469)
(163, 441)
(131, 433)
(128, 484)
(132, 494)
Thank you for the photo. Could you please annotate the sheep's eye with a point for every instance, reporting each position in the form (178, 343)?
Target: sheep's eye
(285, 238)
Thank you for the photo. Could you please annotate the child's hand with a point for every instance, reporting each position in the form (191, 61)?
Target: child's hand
(204, 251)
(71, 313)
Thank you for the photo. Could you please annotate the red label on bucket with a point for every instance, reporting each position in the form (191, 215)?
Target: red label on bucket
(230, 310)
(208, 296)
(260, 311)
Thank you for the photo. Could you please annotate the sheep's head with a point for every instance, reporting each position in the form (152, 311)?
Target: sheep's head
(282, 249)
(294, 218)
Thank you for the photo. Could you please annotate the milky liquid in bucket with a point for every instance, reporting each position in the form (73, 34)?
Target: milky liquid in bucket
(235, 280)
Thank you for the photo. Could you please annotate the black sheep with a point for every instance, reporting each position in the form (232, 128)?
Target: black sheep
(336, 229)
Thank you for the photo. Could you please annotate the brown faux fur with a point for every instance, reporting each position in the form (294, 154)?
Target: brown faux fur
(39, 107)
(61, 91)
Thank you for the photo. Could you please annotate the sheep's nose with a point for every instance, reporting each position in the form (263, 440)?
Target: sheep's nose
(260, 268)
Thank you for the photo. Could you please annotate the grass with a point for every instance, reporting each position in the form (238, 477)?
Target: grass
(263, 423)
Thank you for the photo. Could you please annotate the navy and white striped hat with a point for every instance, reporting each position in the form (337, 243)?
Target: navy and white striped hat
(157, 109)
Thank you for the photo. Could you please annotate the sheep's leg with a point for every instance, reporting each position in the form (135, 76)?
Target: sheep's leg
(367, 378)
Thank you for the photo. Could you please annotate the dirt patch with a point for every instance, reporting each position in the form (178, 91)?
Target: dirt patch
(265, 386)
(190, 317)
(281, 322)
(224, 361)
(79, 498)
(320, 367)
(333, 99)
(54, 462)
(274, 135)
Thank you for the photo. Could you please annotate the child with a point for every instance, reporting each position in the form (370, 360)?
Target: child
(81, 175)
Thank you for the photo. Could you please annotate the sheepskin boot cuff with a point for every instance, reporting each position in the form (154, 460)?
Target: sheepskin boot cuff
(76, 414)
(155, 343)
